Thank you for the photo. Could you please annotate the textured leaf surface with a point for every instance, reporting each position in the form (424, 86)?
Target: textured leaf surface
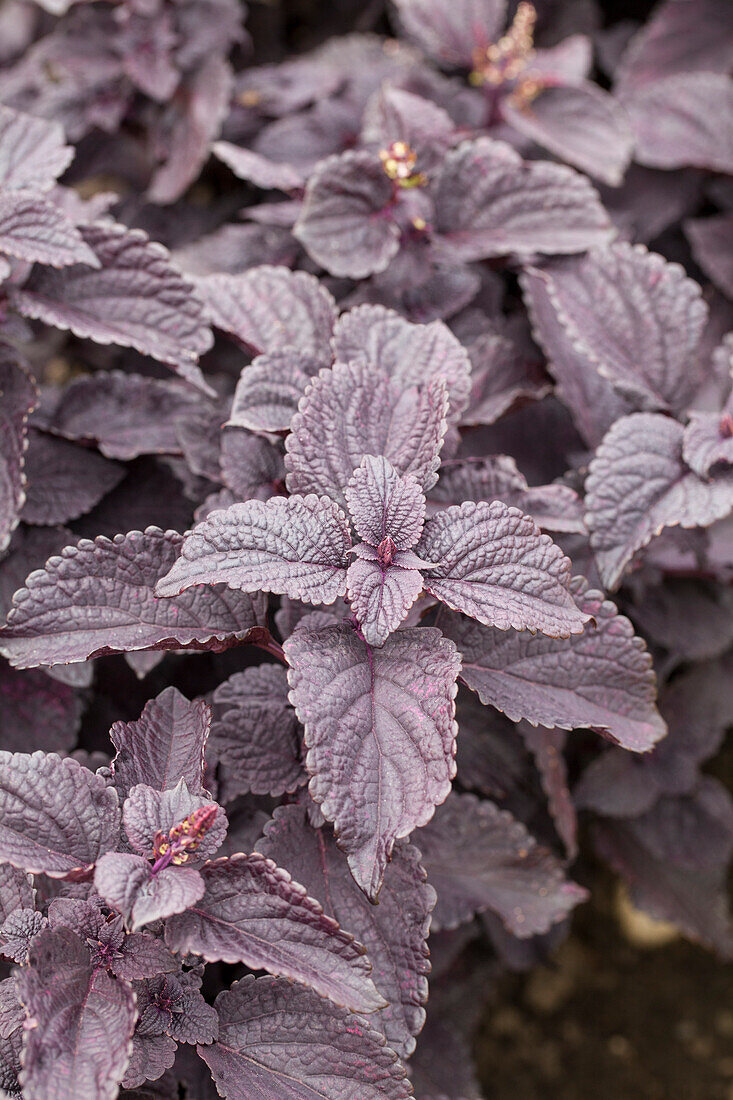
(503, 374)
(410, 354)
(271, 308)
(294, 546)
(98, 597)
(32, 151)
(55, 815)
(81, 1022)
(708, 440)
(16, 891)
(479, 857)
(148, 812)
(255, 732)
(634, 317)
(354, 410)
(250, 465)
(165, 744)
(126, 415)
(253, 912)
(380, 598)
(601, 679)
(698, 706)
(269, 390)
(684, 119)
(138, 300)
(383, 503)
(64, 481)
(554, 507)
(496, 566)
(344, 225)
(451, 33)
(583, 125)
(380, 732)
(18, 398)
(488, 202)
(638, 484)
(36, 230)
(127, 884)
(17, 931)
(394, 932)
(265, 1023)
(591, 398)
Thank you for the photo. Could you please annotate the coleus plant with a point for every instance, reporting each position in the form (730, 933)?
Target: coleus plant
(329, 524)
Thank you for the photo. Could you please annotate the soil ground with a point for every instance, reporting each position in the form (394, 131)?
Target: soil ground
(608, 1020)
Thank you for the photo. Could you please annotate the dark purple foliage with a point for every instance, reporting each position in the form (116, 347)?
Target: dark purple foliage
(366, 526)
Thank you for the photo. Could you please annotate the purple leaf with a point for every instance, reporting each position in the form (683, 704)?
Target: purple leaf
(251, 466)
(202, 105)
(255, 732)
(252, 912)
(393, 114)
(381, 596)
(638, 484)
(678, 37)
(270, 309)
(583, 125)
(126, 415)
(32, 151)
(18, 398)
(293, 546)
(503, 373)
(165, 744)
(589, 396)
(259, 170)
(64, 480)
(17, 932)
(489, 202)
(150, 1057)
(37, 710)
(380, 732)
(383, 503)
(410, 354)
(16, 890)
(698, 712)
(683, 119)
(127, 883)
(452, 34)
(555, 507)
(547, 748)
(29, 549)
(497, 567)
(98, 597)
(346, 224)
(56, 817)
(268, 391)
(634, 318)
(138, 300)
(81, 1022)
(479, 857)
(708, 441)
(126, 956)
(267, 1023)
(156, 821)
(34, 229)
(601, 679)
(355, 410)
(171, 1004)
(711, 240)
(675, 859)
(394, 932)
